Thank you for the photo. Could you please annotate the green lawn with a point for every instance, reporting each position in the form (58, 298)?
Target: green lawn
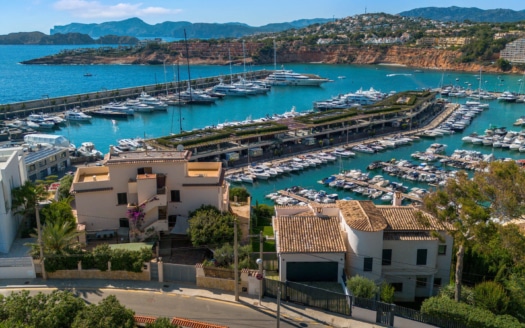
(269, 244)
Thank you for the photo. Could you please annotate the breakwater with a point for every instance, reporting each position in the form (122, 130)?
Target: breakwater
(91, 99)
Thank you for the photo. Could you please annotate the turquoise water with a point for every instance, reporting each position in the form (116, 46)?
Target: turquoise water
(27, 82)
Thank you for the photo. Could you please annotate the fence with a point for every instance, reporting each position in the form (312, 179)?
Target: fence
(310, 296)
(342, 304)
(179, 272)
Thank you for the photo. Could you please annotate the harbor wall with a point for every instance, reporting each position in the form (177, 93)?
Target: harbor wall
(91, 99)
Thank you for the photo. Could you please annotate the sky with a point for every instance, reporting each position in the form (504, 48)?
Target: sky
(42, 15)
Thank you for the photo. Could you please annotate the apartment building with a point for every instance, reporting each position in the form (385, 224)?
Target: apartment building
(514, 52)
(162, 187)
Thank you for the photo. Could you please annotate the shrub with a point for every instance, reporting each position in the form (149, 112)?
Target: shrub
(387, 292)
(466, 315)
(362, 287)
(467, 294)
(240, 192)
(491, 296)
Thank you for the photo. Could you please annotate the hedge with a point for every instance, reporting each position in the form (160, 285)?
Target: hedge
(98, 259)
(467, 315)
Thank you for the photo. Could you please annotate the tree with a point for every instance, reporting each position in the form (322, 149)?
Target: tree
(459, 206)
(208, 226)
(57, 309)
(362, 287)
(60, 211)
(240, 192)
(65, 186)
(26, 197)
(57, 238)
(109, 313)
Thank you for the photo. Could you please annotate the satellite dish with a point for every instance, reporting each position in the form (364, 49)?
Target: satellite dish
(180, 148)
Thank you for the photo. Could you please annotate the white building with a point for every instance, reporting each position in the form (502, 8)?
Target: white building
(310, 245)
(12, 175)
(164, 183)
(514, 51)
(395, 244)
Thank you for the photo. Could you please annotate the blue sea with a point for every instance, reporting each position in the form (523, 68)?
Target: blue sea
(29, 82)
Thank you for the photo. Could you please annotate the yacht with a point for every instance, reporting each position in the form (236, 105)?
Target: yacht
(76, 115)
(230, 89)
(507, 96)
(285, 77)
(192, 96)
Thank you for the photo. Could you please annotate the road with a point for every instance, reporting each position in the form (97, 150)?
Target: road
(161, 304)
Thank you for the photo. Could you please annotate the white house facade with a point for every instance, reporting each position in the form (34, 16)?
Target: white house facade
(12, 175)
(163, 184)
(309, 245)
(401, 245)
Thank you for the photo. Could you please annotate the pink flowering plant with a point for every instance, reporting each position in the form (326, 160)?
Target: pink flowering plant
(136, 216)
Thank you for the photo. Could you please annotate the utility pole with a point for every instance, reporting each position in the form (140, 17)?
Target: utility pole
(236, 256)
(278, 306)
(40, 242)
(261, 266)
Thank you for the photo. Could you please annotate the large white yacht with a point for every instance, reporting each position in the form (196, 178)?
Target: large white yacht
(285, 77)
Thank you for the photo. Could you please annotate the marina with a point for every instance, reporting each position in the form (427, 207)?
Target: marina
(104, 132)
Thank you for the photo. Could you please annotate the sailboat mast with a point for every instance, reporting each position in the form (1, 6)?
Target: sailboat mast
(179, 102)
(243, 60)
(274, 56)
(230, 60)
(188, 64)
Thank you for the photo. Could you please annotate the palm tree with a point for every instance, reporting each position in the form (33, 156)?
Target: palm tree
(26, 197)
(57, 238)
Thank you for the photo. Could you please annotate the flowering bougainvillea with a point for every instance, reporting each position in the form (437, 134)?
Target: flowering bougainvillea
(136, 215)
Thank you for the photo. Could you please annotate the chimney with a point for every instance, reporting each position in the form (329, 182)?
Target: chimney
(397, 199)
(94, 178)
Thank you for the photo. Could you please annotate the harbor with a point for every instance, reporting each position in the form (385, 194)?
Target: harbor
(106, 132)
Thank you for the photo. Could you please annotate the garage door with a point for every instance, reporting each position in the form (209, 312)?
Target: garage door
(311, 271)
(17, 267)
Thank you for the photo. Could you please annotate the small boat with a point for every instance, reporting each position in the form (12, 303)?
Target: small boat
(88, 74)
(108, 113)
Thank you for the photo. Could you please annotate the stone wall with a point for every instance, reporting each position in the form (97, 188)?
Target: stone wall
(247, 282)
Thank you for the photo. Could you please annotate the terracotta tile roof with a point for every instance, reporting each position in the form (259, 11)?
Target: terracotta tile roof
(408, 235)
(308, 234)
(194, 323)
(409, 218)
(362, 215)
(145, 319)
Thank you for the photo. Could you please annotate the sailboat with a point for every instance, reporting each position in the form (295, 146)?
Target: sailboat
(192, 96)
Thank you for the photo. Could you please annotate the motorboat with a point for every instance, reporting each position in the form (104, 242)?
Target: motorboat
(76, 115)
(341, 152)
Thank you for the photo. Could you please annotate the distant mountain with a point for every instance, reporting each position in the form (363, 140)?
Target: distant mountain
(39, 38)
(459, 14)
(138, 28)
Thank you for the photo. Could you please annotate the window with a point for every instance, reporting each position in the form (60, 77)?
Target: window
(175, 195)
(387, 257)
(368, 264)
(437, 282)
(442, 249)
(421, 282)
(122, 198)
(421, 257)
(398, 286)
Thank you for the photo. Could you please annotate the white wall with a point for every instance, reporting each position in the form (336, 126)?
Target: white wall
(362, 244)
(12, 175)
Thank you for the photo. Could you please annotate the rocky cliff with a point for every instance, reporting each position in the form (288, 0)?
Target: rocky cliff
(219, 54)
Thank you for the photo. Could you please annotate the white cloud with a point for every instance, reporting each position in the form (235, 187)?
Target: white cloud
(95, 9)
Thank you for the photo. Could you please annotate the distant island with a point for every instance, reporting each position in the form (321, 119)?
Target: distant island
(138, 28)
(39, 38)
